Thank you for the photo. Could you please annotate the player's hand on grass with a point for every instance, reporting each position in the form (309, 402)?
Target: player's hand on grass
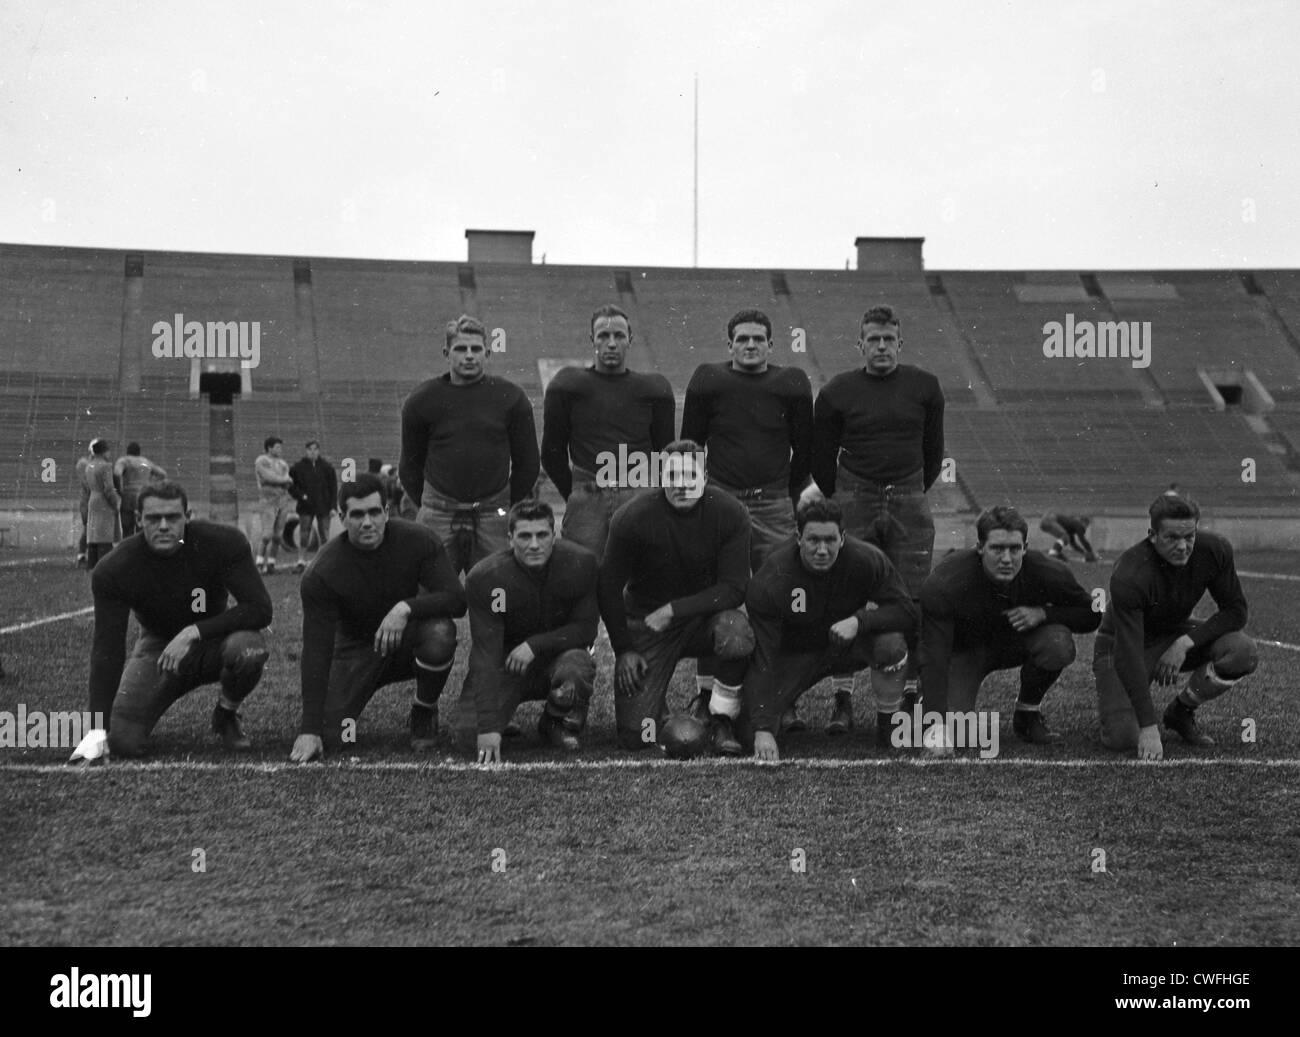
(1025, 617)
(489, 747)
(1171, 662)
(765, 747)
(629, 670)
(520, 659)
(389, 634)
(177, 648)
(307, 748)
(1149, 745)
(659, 619)
(844, 632)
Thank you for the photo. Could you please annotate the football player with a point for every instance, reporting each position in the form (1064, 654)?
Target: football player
(598, 410)
(996, 606)
(671, 586)
(822, 605)
(133, 473)
(1147, 632)
(469, 449)
(1068, 531)
(377, 607)
(532, 618)
(176, 578)
(755, 420)
(878, 444)
(103, 502)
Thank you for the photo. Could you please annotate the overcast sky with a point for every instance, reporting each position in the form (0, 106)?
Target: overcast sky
(1008, 135)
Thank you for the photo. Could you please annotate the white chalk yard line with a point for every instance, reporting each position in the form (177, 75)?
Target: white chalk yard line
(1277, 644)
(47, 619)
(1269, 576)
(32, 561)
(455, 766)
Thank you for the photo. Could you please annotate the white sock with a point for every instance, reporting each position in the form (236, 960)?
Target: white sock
(725, 701)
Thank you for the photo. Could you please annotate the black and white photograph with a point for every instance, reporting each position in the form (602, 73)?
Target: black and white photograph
(651, 474)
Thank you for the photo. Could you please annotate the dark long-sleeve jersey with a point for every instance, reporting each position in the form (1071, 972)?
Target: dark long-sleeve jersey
(793, 609)
(349, 591)
(757, 426)
(698, 560)
(586, 413)
(880, 429)
(1151, 599)
(962, 609)
(315, 485)
(161, 591)
(468, 441)
(553, 610)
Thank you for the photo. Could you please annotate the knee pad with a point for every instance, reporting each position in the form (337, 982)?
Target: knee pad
(1055, 651)
(889, 652)
(1240, 659)
(576, 665)
(437, 644)
(244, 651)
(733, 638)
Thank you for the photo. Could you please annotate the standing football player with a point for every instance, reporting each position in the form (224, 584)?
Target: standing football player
(822, 605)
(1068, 531)
(1147, 632)
(532, 618)
(273, 485)
(589, 413)
(377, 607)
(993, 607)
(469, 449)
(878, 444)
(176, 577)
(755, 420)
(671, 586)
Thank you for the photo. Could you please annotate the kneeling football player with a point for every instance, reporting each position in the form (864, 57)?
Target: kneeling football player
(993, 607)
(824, 605)
(532, 619)
(377, 607)
(671, 586)
(176, 578)
(1148, 634)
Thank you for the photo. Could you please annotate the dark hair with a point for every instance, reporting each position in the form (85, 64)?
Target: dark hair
(530, 510)
(1172, 506)
(1002, 516)
(818, 509)
(270, 441)
(682, 446)
(465, 325)
(880, 315)
(164, 491)
(99, 446)
(749, 317)
(133, 449)
(312, 443)
(364, 486)
(610, 310)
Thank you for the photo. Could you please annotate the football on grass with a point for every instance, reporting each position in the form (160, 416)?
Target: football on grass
(683, 737)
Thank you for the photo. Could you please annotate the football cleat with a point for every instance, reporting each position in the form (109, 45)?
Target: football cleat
(563, 696)
(225, 722)
(92, 750)
(699, 707)
(1029, 726)
(791, 723)
(842, 715)
(423, 725)
(555, 734)
(1182, 719)
(725, 742)
(682, 737)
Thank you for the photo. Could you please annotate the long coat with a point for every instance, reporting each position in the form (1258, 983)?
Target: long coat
(102, 516)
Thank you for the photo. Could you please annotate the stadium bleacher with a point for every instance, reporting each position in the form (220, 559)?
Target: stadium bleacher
(343, 342)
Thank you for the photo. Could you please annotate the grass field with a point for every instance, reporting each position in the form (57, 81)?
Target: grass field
(381, 845)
